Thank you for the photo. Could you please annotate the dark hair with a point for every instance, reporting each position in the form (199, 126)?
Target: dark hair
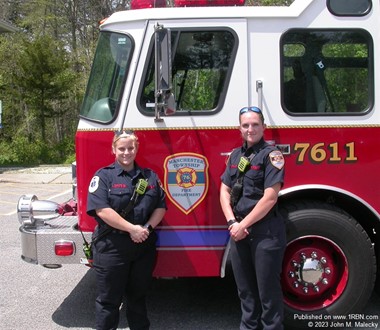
(252, 109)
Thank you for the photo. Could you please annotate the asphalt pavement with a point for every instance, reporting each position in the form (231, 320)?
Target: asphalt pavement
(58, 174)
(46, 182)
(32, 297)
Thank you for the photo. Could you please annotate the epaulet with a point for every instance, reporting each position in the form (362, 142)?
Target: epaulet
(230, 153)
(237, 149)
(110, 166)
(105, 169)
(146, 171)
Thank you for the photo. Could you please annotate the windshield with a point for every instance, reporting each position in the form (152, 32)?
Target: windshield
(108, 74)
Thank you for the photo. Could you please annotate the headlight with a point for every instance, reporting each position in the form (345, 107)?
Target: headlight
(30, 210)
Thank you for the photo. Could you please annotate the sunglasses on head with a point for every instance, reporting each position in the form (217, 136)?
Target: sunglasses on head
(252, 109)
(124, 132)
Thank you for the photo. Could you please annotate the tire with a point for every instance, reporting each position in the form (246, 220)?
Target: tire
(329, 265)
(377, 283)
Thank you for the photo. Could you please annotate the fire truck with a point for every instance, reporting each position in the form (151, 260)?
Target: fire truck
(177, 76)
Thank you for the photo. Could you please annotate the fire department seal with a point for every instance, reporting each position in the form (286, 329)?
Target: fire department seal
(277, 159)
(186, 180)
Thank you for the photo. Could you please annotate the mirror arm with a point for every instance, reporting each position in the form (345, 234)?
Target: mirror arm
(163, 98)
(157, 58)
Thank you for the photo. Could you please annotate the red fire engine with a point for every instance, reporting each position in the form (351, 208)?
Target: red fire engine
(177, 76)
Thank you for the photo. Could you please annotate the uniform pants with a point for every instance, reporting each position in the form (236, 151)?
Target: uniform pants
(257, 263)
(122, 268)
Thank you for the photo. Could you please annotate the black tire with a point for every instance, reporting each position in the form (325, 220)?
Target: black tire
(347, 274)
(377, 283)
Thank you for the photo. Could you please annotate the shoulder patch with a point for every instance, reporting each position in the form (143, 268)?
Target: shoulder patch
(277, 159)
(94, 184)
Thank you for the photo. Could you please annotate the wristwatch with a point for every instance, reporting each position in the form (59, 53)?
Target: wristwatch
(149, 227)
(231, 222)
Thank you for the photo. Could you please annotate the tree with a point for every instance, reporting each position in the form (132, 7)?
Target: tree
(45, 78)
(44, 69)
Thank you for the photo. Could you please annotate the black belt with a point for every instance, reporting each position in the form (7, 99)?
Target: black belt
(269, 214)
(117, 231)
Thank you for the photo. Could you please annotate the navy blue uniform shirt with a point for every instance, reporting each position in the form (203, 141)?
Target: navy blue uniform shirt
(113, 187)
(267, 169)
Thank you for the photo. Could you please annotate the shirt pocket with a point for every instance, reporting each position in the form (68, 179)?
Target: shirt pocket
(150, 198)
(254, 182)
(119, 198)
(232, 177)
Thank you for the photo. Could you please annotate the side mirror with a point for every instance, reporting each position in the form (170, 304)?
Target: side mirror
(164, 98)
(163, 58)
(169, 106)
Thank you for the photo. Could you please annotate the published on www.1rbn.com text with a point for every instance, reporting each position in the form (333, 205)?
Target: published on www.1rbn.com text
(361, 321)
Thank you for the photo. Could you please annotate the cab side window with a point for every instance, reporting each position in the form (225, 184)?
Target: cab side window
(349, 7)
(202, 61)
(327, 72)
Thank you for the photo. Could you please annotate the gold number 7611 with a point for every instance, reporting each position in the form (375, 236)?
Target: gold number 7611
(321, 152)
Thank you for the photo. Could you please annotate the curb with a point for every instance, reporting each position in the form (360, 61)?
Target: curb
(41, 174)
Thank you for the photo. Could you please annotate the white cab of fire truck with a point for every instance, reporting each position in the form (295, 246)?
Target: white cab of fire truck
(177, 76)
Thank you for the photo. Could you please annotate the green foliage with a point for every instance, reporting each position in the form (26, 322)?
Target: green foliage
(43, 73)
(7, 154)
(22, 152)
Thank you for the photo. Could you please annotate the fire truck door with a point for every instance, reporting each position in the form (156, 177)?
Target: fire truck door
(209, 74)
